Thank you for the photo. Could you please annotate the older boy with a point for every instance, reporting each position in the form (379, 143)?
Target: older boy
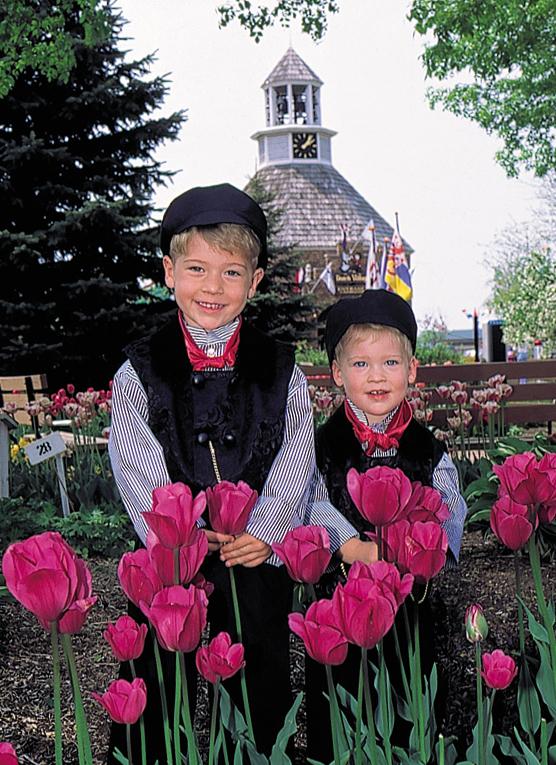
(370, 342)
(208, 396)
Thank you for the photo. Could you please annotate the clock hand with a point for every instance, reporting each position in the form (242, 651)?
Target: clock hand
(309, 141)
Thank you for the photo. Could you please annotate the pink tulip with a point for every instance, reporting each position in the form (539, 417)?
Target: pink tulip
(201, 583)
(425, 504)
(47, 577)
(230, 505)
(126, 638)
(324, 641)
(417, 548)
(512, 522)
(499, 669)
(174, 514)
(179, 616)
(476, 627)
(305, 552)
(521, 478)
(125, 702)
(191, 557)
(380, 494)
(220, 659)
(75, 616)
(384, 575)
(547, 467)
(7, 754)
(138, 578)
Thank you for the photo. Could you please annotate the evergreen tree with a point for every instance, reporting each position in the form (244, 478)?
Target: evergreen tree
(77, 172)
(279, 308)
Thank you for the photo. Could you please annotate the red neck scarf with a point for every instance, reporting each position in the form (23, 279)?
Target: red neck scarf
(200, 360)
(390, 438)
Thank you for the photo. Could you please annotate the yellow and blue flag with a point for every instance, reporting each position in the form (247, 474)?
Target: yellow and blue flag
(397, 278)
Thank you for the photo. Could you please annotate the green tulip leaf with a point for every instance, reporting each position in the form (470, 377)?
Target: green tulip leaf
(530, 757)
(545, 680)
(528, 701)
(538, 632)
(509, 749)
(278, 755)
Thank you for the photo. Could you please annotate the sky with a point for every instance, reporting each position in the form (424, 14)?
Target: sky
(437, 171)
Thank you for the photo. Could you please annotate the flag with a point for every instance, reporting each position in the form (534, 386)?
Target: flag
(397, 277)
(327, 277)
(369, 231)
(372, 277)
(344, 254)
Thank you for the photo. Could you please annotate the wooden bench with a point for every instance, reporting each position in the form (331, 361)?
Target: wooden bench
(20, 390)
(533, 399)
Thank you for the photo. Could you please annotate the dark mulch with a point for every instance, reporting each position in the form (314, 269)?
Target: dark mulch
(485, 575)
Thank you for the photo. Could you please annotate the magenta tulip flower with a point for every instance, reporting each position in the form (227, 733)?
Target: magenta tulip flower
(230, 506)
(499, 669)
(425, 504)
(179, 616)
(125, 702)
(45, 575)
(191, 557)
(476, 627)
(380, 494)
(174, 514)
(417, 548)
(138, 578)
(73, 619)
(547, 467)
(319, 629)
(521, 478)
(305, 552)
(221, 659)
(512, 522)
(384, 575)
(126, 638)
(7, 754)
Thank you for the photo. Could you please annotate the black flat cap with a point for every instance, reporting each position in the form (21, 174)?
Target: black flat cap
(372, 307)
(208, 205)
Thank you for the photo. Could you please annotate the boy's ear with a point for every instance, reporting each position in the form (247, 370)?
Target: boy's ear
(255, 281)
(168, 272)
(412, 371)
(337, 374)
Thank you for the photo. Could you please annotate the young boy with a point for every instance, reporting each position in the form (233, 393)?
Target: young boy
(370, 342)
(209, 396)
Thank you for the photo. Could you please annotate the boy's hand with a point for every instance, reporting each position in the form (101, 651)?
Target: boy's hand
(216, 539)
(245, 550)
(355, 549)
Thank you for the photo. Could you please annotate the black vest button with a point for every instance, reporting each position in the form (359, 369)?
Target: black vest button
(229, 439)
(198, 379)
(234, 378)
(202, 438)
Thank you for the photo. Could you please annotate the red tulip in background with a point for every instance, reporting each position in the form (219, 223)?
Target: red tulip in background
(305, 552)
(521, 478)
(425, 504)
(125, 702)
(417, 548)
(7, 754)
(512, 522)
(126, 638)
(476, 627)
(179, 616)
(45, 575)
(380, 494)
(191, 557)
(499, 669)
(174, 514)
(319, 629)
(230, 505)
(138, 579)
(220, 659)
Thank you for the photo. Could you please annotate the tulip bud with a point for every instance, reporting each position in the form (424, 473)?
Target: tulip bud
(499, 670)
(126, 638)
(125, 702)
(476, 627)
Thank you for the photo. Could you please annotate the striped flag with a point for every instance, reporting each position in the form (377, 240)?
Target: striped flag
(398, 278)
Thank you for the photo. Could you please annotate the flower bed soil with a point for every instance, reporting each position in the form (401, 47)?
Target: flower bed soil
(485, 575)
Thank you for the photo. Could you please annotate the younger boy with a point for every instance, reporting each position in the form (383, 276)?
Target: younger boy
(370, 342)
(206, 398)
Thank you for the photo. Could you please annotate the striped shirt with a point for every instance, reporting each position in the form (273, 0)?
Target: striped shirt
(139, 466)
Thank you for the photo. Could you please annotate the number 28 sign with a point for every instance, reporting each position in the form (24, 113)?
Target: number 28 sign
(44, 448)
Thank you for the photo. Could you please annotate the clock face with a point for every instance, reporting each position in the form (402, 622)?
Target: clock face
(304, 145)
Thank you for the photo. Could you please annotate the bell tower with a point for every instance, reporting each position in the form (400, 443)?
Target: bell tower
(293, 132)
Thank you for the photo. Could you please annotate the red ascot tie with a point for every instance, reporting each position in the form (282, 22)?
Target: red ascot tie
(200, 360)
(390, 438)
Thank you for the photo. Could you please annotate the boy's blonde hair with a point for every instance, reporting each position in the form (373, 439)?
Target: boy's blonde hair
(231, 237)
(359, 331)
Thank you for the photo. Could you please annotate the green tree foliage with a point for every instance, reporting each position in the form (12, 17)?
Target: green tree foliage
(277, 308)
(77, 172)
(256, 18)
(35, 34)
(524, 295)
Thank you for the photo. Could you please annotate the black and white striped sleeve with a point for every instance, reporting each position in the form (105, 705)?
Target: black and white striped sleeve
(445, 480)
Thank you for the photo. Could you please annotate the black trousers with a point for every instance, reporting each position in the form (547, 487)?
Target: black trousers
(265, 600)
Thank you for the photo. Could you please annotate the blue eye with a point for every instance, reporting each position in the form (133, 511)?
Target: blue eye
(195, 269)
(233, 273)
(359, 364)
(392, 362)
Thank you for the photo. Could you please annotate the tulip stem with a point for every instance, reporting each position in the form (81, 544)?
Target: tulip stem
(216, 693)
(441, 751)
(401, 663)
(369, 707)
(177, 573)
(520, 622)
(480, 711)
(141, 721)
(358, 750)
(246, 707)
(57, 693)
(163, 702)
(384, 704)
(544, 742)
(418, 684)
(83, 739)
(541, 601)
(189, 732)
(334, 715)
(177, 711)
(128, 741)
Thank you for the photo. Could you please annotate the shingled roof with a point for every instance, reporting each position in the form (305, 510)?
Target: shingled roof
(291, 68)
(317, 200)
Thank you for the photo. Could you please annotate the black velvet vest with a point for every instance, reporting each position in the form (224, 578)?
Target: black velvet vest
(241, 412)
(338, 450)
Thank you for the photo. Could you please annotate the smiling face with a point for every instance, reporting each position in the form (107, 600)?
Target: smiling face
(375, 370)
(211, 285)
